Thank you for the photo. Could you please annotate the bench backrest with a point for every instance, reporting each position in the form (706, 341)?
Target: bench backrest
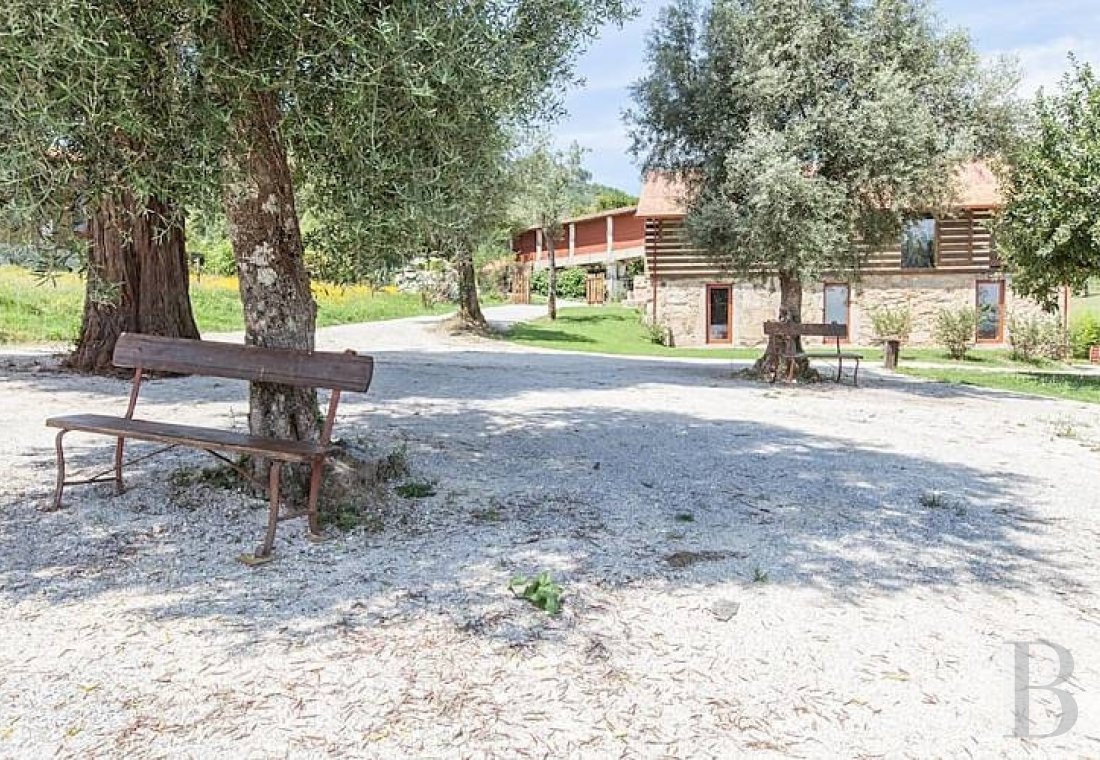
(791, 329)
(316, 369)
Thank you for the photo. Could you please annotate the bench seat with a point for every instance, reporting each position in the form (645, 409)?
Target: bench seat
(829, 355)
(191, 436)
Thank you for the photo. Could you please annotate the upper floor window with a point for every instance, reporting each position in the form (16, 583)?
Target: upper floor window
(918, 244)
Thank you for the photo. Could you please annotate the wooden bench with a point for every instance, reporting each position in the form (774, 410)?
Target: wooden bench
(324, 370)
(790, 330)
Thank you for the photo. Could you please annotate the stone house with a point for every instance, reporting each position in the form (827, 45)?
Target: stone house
(946, 261)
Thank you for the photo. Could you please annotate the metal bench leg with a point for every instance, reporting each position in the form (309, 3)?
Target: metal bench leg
(119, 447)
(274, 477)
(839, 369)
(315, 473)
(855, 377)
(60, 470)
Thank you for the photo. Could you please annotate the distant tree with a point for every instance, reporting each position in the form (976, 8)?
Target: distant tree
(1049, 231)
(550, 183)
(808, 132)
(608, 198)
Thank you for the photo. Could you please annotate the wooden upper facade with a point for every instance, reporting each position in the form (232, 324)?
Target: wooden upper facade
(591, 239)
(961, 241)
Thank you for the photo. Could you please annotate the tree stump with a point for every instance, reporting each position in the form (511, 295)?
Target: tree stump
(890, 351)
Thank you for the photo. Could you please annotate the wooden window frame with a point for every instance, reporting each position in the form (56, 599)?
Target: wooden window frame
(935, 247)
(847, 308)
(728, 287)
(1000, 310)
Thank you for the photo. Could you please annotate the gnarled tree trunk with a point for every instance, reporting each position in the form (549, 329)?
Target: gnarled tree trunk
(136, 279)
(552, 277)
(469, 307)
(279, 311)
(790, 310)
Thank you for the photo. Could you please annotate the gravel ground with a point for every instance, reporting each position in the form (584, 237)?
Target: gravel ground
(791, 571)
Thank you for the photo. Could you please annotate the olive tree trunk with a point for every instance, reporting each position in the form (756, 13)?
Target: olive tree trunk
(790, 310)
(279, 311)
(551, 277)
(469, 307)
(137, 279)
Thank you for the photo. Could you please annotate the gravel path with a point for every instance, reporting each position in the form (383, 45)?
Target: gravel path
(902, 535)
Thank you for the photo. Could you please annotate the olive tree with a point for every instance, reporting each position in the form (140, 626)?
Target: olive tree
(807, 132)
(376, 108)
(1049, 231)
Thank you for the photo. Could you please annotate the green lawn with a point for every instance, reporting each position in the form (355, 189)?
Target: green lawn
(36, 312)
(608, 330)
(1072, 387)
(616, 330)
(1085, 305)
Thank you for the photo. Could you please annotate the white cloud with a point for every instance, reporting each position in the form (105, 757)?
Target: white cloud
(1044, 64)
(613, 139)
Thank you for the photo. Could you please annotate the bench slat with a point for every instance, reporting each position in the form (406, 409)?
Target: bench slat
(319, 369)
(188, 435)
(790, 329)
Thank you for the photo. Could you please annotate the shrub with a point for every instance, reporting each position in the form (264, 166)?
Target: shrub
(954, 330)
(570, 283)
(1035, 337)
(892, 324)
(654, 331)
(1084, 331)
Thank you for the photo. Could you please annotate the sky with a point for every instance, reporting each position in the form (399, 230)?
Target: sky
(1038, 33)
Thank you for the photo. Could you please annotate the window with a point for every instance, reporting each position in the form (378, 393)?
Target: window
(836, 304)
(719, 314)
(918, 244)
(991, 307)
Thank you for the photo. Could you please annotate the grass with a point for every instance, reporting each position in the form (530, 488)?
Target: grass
(608, 330)
(1089, 304)
(35, 312)
(1084, 388)
(616, 330)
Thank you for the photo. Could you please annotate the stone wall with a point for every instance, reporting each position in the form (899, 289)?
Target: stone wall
(681, 305)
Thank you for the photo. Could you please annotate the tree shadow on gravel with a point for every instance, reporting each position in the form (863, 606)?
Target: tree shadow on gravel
(604, 498)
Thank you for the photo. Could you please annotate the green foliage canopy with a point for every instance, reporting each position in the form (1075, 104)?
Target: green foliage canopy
(1049, 231)
(807, 132)
(396, 116)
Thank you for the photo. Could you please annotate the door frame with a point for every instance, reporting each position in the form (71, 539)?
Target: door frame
(847, 307)
(729, 312)
(1000, 310)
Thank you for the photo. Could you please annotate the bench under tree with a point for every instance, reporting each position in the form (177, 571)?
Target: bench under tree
(325, 370)
(788, 331)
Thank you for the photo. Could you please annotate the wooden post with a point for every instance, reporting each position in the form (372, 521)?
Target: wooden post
(890, 351)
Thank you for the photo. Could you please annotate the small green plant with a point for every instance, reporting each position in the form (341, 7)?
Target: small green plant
(1065, 428)
(489, 514)
(760, 575)
(1036, 337)
(1084, 332)
(655, 332)
(954, 330)
(933, 500)
(416, 489)
(540, 591)
(684, 517)
(892, 323)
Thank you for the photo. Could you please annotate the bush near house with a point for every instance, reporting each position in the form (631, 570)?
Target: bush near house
(570, 283)
(892, 324)
(1036, 337)
(1084, 332)
(954, 330)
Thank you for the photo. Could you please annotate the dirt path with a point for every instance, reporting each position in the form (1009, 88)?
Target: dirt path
(902, 536)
